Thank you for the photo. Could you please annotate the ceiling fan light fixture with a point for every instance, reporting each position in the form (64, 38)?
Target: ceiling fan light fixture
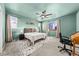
(43, 14)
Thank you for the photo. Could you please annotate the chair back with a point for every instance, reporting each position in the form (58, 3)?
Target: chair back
(60, 36)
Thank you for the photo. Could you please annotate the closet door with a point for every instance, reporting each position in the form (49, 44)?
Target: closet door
(9, 32)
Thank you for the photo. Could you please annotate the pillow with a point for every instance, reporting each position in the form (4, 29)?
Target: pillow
(27, 30)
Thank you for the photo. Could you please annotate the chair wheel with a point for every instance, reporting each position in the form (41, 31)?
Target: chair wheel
(58, 46)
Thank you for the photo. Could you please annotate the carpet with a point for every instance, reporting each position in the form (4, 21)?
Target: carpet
(20, 48)
(47, 47)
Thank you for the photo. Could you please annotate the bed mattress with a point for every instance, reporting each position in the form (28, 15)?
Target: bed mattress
(35, 36)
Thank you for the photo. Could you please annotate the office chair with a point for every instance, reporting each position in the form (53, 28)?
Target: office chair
(65, 41)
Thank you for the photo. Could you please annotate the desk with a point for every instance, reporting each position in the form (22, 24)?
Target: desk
(75, 42)
(75, 38)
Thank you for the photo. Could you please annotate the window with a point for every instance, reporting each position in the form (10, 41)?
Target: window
(13, 21)
(52, 25)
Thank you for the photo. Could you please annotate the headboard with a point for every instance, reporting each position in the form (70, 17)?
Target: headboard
(26, 30)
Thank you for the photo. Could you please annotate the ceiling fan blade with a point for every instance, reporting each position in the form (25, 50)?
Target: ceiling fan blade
(48, 14)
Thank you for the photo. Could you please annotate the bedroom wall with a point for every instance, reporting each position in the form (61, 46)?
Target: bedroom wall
(2, 27)
(68, 24)
(22, 23)
(77, 22)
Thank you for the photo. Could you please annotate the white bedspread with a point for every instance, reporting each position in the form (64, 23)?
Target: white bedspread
(35, 36)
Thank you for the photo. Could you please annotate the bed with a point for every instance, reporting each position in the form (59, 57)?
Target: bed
(33, 35)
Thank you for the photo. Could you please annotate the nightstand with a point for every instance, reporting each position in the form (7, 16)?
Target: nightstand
(21, 37)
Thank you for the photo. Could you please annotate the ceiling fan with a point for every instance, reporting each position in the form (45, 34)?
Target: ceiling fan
(44, 14)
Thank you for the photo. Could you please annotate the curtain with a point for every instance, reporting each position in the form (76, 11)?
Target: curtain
(9, 31)
(58, 28)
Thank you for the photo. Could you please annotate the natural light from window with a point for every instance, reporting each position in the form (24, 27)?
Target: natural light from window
(13, 21)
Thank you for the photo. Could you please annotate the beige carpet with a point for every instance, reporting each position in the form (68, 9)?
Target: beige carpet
(48, 47)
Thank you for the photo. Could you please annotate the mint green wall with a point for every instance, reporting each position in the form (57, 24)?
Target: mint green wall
(68, 24)
(52, 33)
(21, 25)
(77, 21)
(2, 26)
(1, 38)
